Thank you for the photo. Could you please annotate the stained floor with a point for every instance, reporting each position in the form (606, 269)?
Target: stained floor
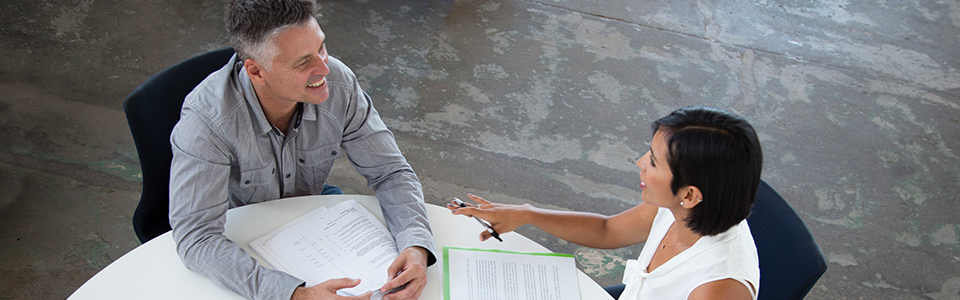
(548, 102)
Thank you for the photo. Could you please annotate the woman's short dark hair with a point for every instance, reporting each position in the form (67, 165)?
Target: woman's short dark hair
(252, 24)
(719, 153)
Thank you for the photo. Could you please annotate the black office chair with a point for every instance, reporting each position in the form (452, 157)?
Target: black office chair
(152, 110)
(790, 259)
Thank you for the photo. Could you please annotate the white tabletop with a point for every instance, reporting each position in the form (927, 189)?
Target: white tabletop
(154, 271)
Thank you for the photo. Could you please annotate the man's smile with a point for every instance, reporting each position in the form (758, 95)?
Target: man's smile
(318, 83)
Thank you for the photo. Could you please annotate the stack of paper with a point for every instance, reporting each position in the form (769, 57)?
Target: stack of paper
(343, 241)
(478, 274)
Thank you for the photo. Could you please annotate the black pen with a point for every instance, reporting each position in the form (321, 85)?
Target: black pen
(485, 224)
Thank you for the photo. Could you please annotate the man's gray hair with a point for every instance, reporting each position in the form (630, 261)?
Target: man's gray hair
(253, 24)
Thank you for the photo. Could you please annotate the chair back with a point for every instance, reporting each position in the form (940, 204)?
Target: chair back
(790, 259)
(152, 110)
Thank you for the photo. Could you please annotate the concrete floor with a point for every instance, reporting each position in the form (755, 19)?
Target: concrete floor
(545, 102)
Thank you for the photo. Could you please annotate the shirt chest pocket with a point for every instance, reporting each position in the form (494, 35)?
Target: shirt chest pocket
(314, 166)
(258, 185)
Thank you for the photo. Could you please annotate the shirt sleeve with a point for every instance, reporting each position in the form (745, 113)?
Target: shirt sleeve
(374, 153)
(199, 199)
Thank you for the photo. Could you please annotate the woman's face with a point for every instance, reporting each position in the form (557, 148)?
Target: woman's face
(655, 174)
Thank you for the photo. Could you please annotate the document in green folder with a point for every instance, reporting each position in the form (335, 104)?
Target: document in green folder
(482, 274)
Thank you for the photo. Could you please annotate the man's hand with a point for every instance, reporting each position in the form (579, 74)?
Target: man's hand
(328, 290)
(409, 268)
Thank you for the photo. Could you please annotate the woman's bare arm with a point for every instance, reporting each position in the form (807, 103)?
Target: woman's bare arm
(587, 229)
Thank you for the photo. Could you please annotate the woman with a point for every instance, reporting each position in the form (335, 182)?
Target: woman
(699, 180)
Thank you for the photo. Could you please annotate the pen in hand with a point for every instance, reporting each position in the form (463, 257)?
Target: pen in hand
(485, 224)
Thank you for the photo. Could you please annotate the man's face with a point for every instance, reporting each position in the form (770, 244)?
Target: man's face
(297, 72)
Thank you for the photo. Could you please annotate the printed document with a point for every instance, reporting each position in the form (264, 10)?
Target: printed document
(345, 240)
(479, 274)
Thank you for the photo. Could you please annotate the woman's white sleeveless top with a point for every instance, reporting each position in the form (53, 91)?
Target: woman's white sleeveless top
(731, 254)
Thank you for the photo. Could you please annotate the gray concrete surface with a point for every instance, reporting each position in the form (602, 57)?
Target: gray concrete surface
(545, 102)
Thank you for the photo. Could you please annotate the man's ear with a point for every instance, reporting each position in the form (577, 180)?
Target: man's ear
(691, 196)
(254, 70)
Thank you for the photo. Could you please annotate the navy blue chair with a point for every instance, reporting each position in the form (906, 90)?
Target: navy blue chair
(791, 262)
(152, 110)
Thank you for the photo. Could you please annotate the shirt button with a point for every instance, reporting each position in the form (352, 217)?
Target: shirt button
(288, 175)
(333, 152)
(301, 160)
(247, 182)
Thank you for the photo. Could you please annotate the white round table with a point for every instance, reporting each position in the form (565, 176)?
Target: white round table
(154, 271)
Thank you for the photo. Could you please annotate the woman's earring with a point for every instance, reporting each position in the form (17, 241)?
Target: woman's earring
(699, 200)
(681, 202)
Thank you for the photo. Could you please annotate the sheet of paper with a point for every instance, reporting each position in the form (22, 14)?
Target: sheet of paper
(478, 274)
(263, 249)
(345, 240)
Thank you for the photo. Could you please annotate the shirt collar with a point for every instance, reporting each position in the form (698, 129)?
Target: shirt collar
(309, 111)
(260, 123)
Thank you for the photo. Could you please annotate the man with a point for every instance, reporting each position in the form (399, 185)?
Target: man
(269, 125)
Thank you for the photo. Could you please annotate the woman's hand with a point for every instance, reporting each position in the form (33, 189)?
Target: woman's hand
(503, 217)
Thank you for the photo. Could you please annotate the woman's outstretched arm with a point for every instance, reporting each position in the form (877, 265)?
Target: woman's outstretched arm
(588, 229)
